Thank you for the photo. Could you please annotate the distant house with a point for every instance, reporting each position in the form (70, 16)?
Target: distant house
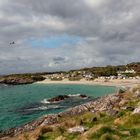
(88, 75)
(126, 71)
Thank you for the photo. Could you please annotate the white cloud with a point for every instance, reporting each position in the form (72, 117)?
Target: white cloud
(94, 3)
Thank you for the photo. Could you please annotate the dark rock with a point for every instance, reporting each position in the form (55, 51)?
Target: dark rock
(94, 119)
(58, 98)
(16, 80)
(63, 97)
(83, 96)
(128, 108)
(20, 79)
(121, 91)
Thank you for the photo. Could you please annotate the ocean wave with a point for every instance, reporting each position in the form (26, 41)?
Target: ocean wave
(45, 101)
(38, 108)
(44, 108)
(74, 95)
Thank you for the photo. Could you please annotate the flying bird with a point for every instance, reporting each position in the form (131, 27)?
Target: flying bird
(12, 43)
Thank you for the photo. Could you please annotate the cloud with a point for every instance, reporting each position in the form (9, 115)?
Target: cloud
(109, 33)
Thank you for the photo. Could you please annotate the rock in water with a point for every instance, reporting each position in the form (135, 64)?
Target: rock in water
(58, 98)
(63, 97)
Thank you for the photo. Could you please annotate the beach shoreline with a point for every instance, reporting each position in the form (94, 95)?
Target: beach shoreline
(116, 82)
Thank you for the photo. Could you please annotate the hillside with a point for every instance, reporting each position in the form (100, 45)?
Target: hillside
(112, 70)
(72, 75)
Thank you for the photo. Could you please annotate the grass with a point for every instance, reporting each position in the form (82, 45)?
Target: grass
(101, 127)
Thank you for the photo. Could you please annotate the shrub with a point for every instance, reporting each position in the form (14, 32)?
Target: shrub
(38, 78)
(56, 79)
(108, 136)
(103, 130)
(75, 78)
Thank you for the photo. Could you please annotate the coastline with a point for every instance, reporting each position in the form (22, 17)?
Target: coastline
(116, 82)
(93, 106)
(104, 104)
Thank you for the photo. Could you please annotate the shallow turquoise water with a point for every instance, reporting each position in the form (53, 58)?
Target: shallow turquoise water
(14, 98)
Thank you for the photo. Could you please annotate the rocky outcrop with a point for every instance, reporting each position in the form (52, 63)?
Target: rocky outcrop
(21, 79)
(16, 80)
(46, 120)
(58, 98)
(63, 97)
(105, 104)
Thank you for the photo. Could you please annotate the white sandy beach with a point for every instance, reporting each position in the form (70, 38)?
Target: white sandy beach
(116, 82)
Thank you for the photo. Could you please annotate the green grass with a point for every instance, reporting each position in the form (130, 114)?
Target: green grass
(107, 132)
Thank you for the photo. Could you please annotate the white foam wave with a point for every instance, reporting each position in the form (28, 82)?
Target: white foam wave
(74, 95)
(44, 108)
(45, 101)
(38, 108)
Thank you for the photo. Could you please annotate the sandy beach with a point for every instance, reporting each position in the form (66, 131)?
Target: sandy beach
(116, 82)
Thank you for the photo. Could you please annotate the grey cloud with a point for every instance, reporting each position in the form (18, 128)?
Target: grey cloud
(110, 31)
(59, 59)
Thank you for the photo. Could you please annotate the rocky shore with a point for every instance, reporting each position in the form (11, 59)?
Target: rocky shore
(110, 104)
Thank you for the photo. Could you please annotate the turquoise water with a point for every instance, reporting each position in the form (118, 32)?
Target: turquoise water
(16, 102)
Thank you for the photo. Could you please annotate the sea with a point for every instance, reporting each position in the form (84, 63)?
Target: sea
(21, 104)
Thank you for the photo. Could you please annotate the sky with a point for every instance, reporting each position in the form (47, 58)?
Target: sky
(54, 35)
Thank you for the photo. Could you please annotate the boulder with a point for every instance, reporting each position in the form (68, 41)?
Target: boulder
(77, 129)
(137, 94)
(137, 109)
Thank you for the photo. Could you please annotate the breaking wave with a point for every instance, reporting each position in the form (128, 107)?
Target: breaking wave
(45, 101)
(74, 95)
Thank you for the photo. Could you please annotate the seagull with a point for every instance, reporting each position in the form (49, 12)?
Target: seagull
(12, 43)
